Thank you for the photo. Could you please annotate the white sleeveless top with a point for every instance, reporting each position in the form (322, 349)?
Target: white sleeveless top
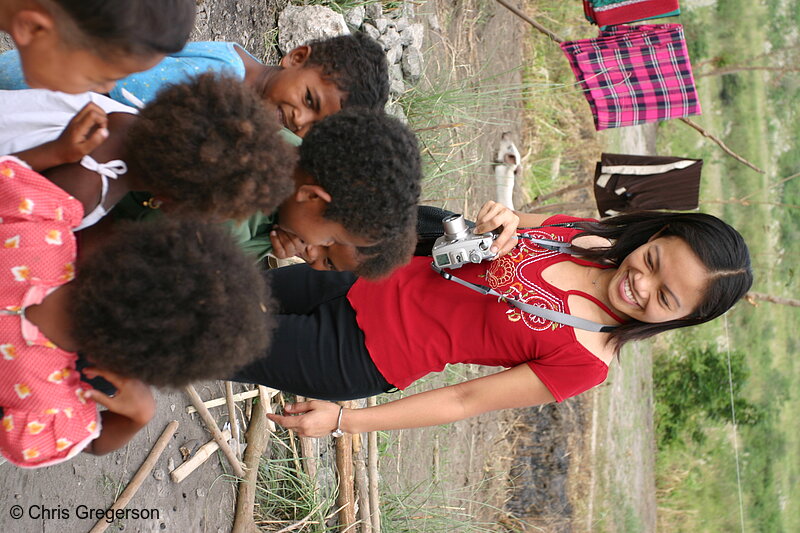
(32, 117)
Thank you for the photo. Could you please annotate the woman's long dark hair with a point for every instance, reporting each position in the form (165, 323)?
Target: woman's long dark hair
(720, 248)
(139, 28)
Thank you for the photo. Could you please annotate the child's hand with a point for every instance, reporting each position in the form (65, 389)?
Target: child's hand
(285, 244)
(493, 215)
(133, 399)
(86, 131)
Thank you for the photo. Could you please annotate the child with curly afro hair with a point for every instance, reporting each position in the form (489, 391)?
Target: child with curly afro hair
(356, 186)
(311, 82)
(164, 302)
(205, 148)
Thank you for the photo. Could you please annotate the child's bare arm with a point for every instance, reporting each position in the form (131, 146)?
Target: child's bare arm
(128, 411)
(86, 131)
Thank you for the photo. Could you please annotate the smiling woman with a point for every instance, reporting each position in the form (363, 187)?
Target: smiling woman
(601, 285)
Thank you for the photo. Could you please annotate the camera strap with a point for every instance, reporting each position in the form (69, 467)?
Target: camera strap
(547, 314)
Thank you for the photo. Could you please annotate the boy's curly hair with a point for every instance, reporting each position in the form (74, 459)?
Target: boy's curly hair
(170, 302)
(382, 259)
(370, 165)
(356, 63)
(212, 148)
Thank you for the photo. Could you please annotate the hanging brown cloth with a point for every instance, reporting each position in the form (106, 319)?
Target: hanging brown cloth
(625, 183)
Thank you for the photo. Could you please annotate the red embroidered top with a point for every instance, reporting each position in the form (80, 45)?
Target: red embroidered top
(415, 322)
(46, 418)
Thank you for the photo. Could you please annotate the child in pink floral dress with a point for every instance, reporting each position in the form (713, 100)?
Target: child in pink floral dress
(49, 414)
(46, 416)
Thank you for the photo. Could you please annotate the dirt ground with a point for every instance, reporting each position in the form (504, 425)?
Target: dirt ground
(548, 452)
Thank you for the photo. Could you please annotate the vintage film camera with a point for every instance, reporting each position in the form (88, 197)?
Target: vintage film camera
(460, 244)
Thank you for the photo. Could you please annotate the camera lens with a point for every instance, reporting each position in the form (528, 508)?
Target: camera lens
(454, 227)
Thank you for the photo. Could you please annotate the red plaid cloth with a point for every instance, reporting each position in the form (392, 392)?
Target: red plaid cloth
(635, 74)
(625, 11)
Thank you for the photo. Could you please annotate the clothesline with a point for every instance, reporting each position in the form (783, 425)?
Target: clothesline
(557, 39)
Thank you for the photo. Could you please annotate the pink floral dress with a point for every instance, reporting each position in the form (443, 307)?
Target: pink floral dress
(46, 418)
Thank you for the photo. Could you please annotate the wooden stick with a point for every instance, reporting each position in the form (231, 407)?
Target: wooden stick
(345, 499)
(232, 420)
(211, 424)
(530, 21)
(257, 439)
(200, 456)
(307, 451)
(140, 475)
(265, 395)
(372, 468)
(719, 143)
(362, 485)
(216, 402)
(292, 442)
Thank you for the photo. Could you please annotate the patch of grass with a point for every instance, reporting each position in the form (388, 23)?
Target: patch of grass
(427, 508)
(286, 495)
(342, 6)
(558, 123)
(447, 115)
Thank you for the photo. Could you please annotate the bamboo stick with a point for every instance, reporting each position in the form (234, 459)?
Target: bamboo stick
(200, 456)
(307, 451)
(232, 420)
(257, 439)
(372, 469)
(211, 424)
(345, 499)
(362, 485)
(216, 402)
(140, 475)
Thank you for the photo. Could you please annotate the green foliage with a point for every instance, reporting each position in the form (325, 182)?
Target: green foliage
(285, 494)
(694, 388)
(426, 508)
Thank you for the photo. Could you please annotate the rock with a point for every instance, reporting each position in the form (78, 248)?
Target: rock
(373, 11)
(381, 24)
(355, 17)
(390, 39)
(433, 22)
(397, 87)
(401, 24)
(394, 54)
(299, 24)
(396, 110)
(413, 35)
(412, 64)
(395, 72)
(158, 474)
(370, 30)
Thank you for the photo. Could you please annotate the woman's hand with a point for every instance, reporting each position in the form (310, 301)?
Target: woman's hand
(314, 418)
(493, 215)
(133, 399)
(87, 130)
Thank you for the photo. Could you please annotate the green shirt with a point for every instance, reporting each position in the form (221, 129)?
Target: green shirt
(253, 234)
